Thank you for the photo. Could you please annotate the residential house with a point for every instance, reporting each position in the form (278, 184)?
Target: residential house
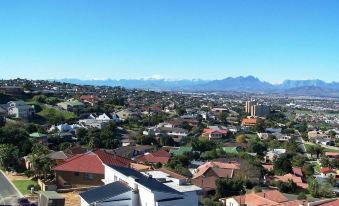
(332, 155)
(133, 151)
(296, 179)
(39, 137)
(215, 132)
(84, 170)
(267, 198)
(205, 176)
(71, 105)
(57, 157)
(272, 154)
(325, 141)
(160, 156)
(249, 122)
(273, 130)
(125, 186)
(19, 109)
(317, 134)
(174, 132)
(90, 99)
(181, 151)
(327, 172)
(128, 113)
(281, 137)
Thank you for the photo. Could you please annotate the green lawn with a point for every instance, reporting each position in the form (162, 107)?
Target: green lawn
(21, 185)
(46, 112)
(251, 136)
(316, 166)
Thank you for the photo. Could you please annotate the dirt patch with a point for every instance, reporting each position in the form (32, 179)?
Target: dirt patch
(71, 198)
(12, 177)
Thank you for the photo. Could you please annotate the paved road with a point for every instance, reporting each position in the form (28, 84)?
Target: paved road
(8, 194)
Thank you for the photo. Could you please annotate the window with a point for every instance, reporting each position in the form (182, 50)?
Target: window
(76, 174)
(115, 178)
(88, 176)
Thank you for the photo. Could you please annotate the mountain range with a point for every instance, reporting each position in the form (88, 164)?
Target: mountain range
(237, 84)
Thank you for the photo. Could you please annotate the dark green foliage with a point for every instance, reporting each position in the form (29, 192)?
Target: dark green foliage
(282, 165)
(228, 187)
(8, 155)
(256, 146)
(302, 196)
(180, 164)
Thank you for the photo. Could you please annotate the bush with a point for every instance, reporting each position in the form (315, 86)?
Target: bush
(257, 189)
(37, 187)
(302, 196)
(29, 187)
(29, 173)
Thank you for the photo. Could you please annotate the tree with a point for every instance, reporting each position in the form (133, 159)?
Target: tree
(256, 146)
(298, 160)
(325, 162)
(8, 155)
(165, 140)
(39, 98)
(313, 187)
(282, 165)
(308, 170)
(240, 138)
(38, 160)
(302, 196)
(228, 187)
(288, 187)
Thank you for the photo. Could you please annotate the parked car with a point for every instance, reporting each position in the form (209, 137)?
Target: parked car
(23, 202)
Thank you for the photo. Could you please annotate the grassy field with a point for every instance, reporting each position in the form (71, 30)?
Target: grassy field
(45, 112)
(22, 185)
(251, 136)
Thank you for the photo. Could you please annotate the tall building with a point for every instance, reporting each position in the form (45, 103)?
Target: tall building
(260, 110)
(248, 106)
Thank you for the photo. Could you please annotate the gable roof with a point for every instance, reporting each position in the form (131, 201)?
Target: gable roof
(91, 162)
(105, 192)
(331, 203)
(297, 180)
(148, 182)
(180, 151)
(58, 155)
(161, 156)
(268, 198)
(220, 169)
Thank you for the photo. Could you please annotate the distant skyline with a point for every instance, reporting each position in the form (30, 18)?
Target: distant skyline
(173, 39)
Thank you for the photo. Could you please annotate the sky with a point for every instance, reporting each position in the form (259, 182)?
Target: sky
(172, 39)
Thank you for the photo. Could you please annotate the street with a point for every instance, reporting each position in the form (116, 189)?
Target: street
(8, 194)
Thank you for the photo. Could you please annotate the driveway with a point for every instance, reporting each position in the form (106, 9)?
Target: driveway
(8, 194)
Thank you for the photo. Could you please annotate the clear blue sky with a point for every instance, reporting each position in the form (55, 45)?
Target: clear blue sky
(209, 39)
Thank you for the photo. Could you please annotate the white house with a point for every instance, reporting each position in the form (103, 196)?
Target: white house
(19, 109)
(125, 186)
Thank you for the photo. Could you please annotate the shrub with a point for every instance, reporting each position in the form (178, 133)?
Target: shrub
(302, 196)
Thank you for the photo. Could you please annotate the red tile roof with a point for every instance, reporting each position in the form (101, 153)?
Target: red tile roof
(91, 162)
(297, 180)
(249, 121)
(160, 156)
(297, 171)
(212, 131)
(331, 203)
(267, 198)
(207, 183)
(326, 170)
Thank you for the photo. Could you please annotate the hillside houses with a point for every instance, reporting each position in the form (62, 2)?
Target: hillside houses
(19, 109)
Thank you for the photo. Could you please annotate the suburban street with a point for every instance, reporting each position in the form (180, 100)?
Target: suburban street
(8, 194)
